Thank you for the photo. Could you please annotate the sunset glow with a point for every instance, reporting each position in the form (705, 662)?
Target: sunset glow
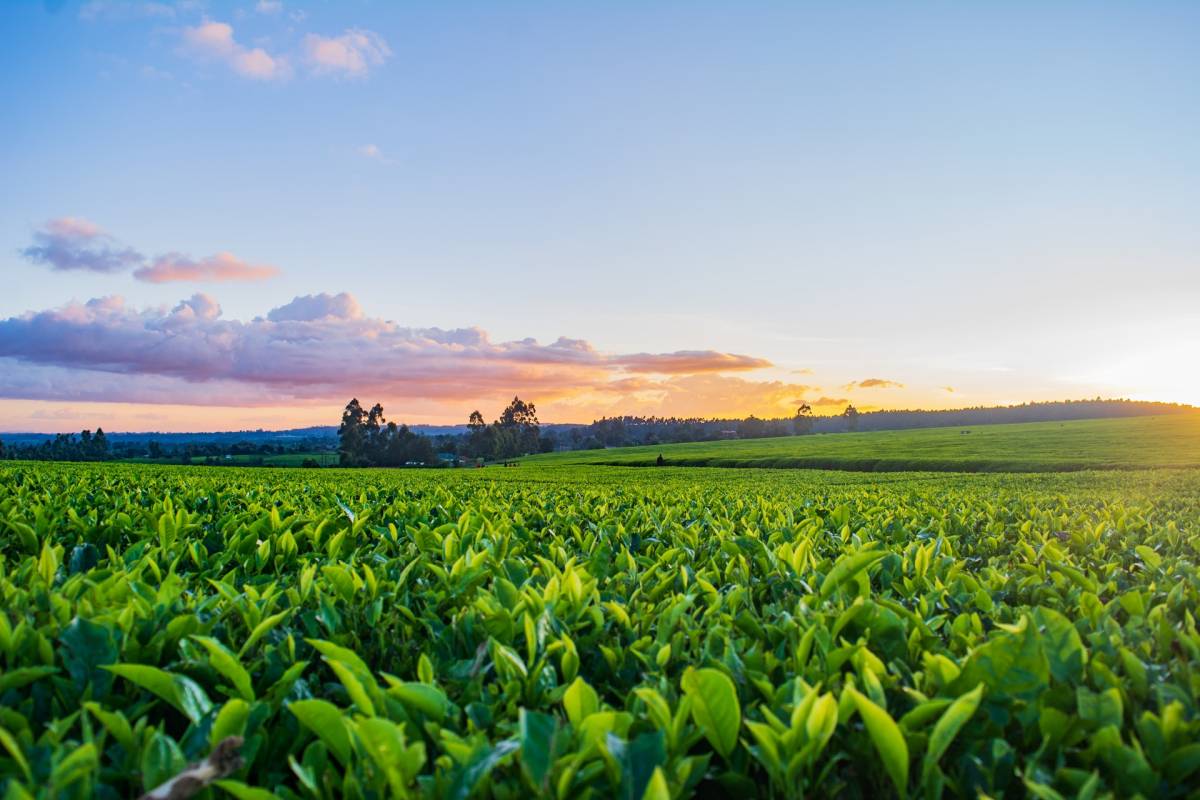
(652, 209)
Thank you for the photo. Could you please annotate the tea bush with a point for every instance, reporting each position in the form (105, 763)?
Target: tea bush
(599, 632)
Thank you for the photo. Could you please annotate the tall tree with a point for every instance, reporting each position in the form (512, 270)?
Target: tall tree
(352, 435)
(376, 434)
(519, 420)
(100, 444)
(802, 423)
(850, 415)
(476, 436)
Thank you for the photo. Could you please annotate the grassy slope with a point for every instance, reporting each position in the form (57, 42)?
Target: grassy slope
(1160, 441)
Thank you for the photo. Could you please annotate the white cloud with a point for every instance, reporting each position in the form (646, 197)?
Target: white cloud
(373, 153)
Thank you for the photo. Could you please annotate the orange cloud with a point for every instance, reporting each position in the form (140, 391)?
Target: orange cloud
(873, 383)
(829, 401)
(690, 362)
(223, 266)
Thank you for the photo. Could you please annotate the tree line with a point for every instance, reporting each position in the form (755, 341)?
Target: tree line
(87, 446)
(367, 439)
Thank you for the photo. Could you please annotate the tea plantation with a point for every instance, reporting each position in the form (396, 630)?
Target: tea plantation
(1168, 440)
(599, 632)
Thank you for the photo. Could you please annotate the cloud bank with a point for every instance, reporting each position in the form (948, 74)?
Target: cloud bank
(321, 348)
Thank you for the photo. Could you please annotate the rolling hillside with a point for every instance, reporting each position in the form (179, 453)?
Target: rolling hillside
(1161, 441)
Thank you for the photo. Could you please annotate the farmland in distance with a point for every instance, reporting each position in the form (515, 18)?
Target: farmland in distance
(1139, 442)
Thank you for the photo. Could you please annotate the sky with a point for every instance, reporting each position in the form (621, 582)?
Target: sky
(240, 215)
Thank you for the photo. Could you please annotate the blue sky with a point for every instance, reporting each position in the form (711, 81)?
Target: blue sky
(1000, 198)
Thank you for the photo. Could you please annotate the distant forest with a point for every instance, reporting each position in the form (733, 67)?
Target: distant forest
(366, 438)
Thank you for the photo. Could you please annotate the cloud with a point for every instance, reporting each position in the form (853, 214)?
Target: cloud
(317, 348)
(372, 152)
(213, 41)
(691, 362)
(948, 389)
(823, 402)
(351, 55)
(268, 6)
(223, 266)
(312, 307)
(873, 383)
(71, 243)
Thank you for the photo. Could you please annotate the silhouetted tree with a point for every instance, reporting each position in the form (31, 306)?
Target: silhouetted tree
(369, 440)
(850, 415)
(352, 436)
(802, 423)
(476, 444)
(519, 424)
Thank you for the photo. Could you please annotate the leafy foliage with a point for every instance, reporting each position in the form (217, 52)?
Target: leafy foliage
(598, 632)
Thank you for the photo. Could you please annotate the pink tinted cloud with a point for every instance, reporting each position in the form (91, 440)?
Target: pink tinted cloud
(223, 266)
(315, 347)
(75, 244)
(214, 41)
(691, 362)
(352, 54)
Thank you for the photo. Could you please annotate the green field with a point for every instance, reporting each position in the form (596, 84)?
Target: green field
(582, 631)
(1137, 442)
(325, 458)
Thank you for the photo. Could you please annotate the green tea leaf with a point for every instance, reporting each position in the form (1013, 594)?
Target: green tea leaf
(847, 568)
(227, 664)
(715, 707)
(887, 738)
(947, 727)
(325, 720)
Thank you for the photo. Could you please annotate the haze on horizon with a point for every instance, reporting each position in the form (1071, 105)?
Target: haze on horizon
(227, 215)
